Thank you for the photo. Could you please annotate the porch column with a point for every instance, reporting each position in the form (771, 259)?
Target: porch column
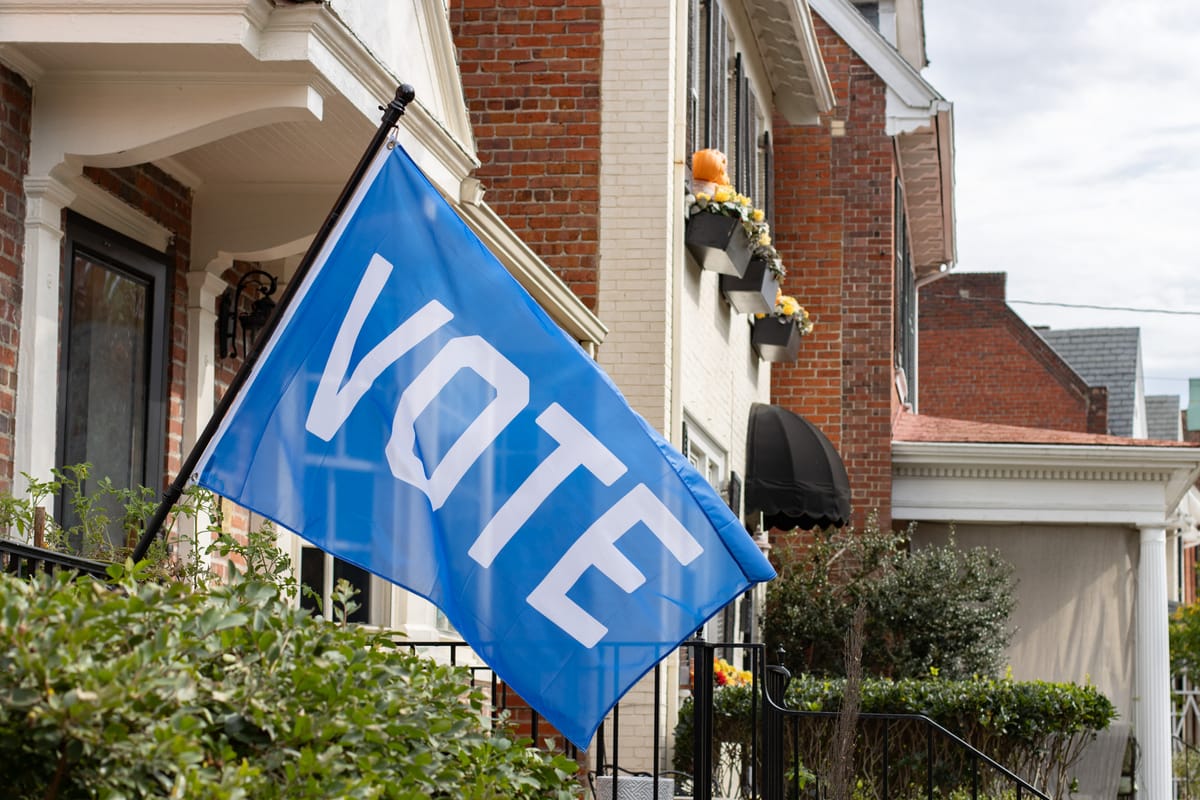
(36, 435)
(200, 379)
(1153, 666)
(203, 290)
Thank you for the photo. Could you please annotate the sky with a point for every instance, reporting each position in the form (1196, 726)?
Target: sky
(1077, 162)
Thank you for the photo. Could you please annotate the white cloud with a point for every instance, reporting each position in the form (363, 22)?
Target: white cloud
(1078, 160)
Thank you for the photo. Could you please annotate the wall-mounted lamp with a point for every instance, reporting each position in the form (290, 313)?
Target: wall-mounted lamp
(254, 281)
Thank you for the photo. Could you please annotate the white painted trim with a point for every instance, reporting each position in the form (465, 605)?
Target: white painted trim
(100, 206)
(900, 76)
(126, 21)
(531, 272)
(810, 51)
(358, 75)
(910, 32)
(18, 62)
(35, 436)
(1152, 697)
(103, 119)
(1091, 484)
(945, 145)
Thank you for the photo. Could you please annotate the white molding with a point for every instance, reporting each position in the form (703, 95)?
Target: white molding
(1082, 484)
(179, 172)
(563, 305)
(18, 62)
(810, 50)
(35, 437)
(107, 119)
(110, 211)
(126, 21)
(900, 76)
(359, 76)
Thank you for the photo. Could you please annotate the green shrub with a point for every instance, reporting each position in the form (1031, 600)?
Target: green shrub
(160, 689)
(938, 607)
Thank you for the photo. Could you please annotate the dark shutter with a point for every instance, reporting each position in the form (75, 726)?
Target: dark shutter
(768, 201)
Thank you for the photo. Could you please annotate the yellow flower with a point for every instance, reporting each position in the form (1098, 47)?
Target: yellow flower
(764, 240)
(757, 215)
(722, 195)
(788, 306)
(701, 197)
(743, 200)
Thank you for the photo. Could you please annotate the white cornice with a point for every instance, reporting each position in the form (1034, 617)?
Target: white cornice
(913, 91)
(366, 82)
(979, 482)
(563, 305)
(97, 204)
(1133, 457)
(811, 52)
(17, 61)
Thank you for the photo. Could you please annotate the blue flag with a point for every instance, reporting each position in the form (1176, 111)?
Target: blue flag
(418, 414)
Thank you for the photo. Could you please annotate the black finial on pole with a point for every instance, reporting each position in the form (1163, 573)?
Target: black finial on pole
(405, 94)
(392, 113)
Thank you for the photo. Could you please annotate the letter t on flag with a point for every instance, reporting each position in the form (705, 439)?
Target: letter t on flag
(416, 413)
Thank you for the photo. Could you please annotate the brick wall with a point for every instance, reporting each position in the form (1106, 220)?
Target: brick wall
(169, 203)
(15, 111)
(833, 227)
(979, 361)
(531, 76)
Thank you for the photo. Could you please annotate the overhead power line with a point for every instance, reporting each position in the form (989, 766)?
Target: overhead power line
(1109, 308)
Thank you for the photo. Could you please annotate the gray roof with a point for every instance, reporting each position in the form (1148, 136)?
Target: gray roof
(1162, 418)
(1109, 357)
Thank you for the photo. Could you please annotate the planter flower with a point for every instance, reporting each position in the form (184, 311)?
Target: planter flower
(776, 336)
(721, 233)
(755, 291)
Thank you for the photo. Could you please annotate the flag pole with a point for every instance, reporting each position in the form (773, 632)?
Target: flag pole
(392, 113)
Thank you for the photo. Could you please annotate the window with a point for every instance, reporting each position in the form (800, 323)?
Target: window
(112, 368)
(320, 572)
(710, 461)
(708, 78)
(722, 109)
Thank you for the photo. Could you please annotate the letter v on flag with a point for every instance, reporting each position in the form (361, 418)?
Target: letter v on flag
(416, 413)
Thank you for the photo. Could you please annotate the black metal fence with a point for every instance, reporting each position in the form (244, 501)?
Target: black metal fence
(26, 560)
(907, 756)
(776, 753)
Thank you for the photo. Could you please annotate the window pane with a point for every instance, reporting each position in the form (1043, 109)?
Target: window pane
(106, 382)
(360, 579)
(107, 372)
(112, 393)
(312, 577)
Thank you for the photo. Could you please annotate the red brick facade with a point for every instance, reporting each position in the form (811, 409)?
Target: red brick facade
(169, 203)
(979, 361)
(15, 113)
(531, 76)
(833, 226)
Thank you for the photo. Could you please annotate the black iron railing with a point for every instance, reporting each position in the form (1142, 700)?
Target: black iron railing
(26, 560)
(944, 765)
(1186, 769)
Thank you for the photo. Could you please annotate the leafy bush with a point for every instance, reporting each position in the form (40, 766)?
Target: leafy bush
(1185, 639)
(160, 689)
(938, 607)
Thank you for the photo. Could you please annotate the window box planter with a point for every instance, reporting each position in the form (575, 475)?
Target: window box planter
(718, 243)
(776, 339)
(754, 292)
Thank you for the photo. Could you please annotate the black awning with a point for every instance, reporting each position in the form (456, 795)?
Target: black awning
(794, 476)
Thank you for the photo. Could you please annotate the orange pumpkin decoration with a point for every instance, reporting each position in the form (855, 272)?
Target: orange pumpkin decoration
(710, 165)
